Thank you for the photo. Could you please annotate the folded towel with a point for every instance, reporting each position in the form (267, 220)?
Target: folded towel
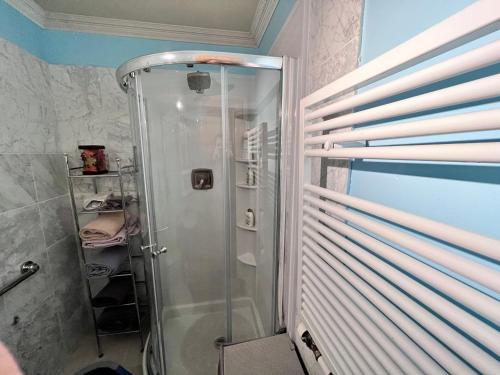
(116, 292)
(132, 228)
(105, 202)
(95, 202)
(114, 202)
(117, 240)
(104, 227)
(106, 262)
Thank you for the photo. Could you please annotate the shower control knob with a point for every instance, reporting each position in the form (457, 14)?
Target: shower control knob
(159, 252)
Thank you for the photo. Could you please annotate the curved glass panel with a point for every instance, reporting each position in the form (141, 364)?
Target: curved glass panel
(208, 146)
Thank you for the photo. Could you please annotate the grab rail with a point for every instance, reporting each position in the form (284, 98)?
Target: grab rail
(27, 269)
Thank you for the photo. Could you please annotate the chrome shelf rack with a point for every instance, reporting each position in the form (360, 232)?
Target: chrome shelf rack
(76, 174)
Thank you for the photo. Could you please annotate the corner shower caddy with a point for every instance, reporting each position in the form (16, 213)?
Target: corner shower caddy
(74, 173)
(256, 158)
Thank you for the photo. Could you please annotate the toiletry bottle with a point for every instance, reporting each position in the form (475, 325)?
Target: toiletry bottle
(250, 218)
(250, 176)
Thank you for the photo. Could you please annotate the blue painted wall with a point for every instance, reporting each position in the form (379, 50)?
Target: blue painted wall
(76, 48)
(459, 194)
(19, 30)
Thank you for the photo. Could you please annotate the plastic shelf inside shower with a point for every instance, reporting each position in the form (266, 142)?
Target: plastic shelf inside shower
(246, 186)
(247, 258)
(250, 161)
(247, 227)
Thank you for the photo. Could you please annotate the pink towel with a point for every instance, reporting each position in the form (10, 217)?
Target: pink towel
(104, 227)
(119, 238)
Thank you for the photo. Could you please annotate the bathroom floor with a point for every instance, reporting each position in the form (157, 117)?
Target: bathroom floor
(190, 338)
(124, 350)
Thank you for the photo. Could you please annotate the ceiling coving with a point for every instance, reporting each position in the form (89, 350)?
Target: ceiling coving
(229, 22)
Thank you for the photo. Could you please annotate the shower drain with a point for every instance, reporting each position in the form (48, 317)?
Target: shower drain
(219, 341)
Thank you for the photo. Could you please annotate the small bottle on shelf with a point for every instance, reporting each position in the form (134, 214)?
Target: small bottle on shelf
(250, 218)
(250, 176)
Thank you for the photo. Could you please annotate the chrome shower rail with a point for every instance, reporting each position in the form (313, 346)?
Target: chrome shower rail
(27, 269)
(195, 57)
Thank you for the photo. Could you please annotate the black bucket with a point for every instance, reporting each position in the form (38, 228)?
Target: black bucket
(104, 368)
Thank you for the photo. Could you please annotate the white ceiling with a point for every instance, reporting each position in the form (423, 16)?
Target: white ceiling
(216, 14)
(230, 22)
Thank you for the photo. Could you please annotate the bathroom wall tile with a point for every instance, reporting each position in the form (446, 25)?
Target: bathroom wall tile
(31, 292)
(333, 42)
(67, 283)
(32, 317)
(65, 274)
(16, 185)
(91, 108)
(56, 218)
(74, 326)
(20, 239)
(36, 340)
(28, 114)
(334, 28)
(49, 171)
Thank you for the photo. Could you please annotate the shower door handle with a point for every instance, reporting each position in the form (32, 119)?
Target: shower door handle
(156, 253)
(150, 246)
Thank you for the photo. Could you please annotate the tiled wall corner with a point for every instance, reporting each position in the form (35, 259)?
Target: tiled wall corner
(39, 317)
(48, 306)
(332, 51)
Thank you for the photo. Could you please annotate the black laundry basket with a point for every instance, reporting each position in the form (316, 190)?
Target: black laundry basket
(104, 368)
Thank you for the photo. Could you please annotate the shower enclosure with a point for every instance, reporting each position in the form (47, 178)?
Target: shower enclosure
(207, 133)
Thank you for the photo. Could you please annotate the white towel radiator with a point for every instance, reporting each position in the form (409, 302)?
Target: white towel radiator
(370, 307)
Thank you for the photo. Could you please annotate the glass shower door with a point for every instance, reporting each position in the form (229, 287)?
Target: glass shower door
(208, 152)
(156, 356)
(186, 158)
(253, 115)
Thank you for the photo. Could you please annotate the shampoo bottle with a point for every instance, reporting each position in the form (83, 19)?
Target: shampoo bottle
(250, 218)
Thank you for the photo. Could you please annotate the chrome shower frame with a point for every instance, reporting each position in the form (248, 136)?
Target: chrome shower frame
(194, 57)
(129, 72)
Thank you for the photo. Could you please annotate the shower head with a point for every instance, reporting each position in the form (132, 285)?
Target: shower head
(199, 81)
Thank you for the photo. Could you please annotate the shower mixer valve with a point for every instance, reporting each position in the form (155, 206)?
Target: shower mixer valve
(202, 179)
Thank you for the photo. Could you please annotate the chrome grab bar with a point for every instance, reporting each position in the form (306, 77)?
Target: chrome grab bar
(27, 269)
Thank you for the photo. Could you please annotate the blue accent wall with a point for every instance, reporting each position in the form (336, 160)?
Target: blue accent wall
(460, 194)
(77, 48)
(21, 31)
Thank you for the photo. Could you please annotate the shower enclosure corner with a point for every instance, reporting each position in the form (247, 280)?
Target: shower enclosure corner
(207, 133)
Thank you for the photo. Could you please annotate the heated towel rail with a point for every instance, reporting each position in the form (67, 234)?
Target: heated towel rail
(28, 269)
(380, 289)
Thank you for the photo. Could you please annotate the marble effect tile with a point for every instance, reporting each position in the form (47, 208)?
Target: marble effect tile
(91, 108)
(66, 281)
(49, 171)
(333, 42)
(20, 235)
(333, 25)
(36, 340)
(49, 308)
(56, 219)
(16, 185)
(28, 113)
